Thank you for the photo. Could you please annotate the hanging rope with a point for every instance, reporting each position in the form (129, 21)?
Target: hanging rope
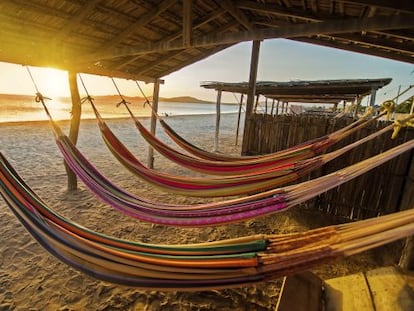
(388, 106)
(39, 97)
(399, 124)
(123, 101)
(147, 101)
(88, 97)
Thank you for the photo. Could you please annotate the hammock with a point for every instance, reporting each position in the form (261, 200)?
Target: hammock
(218, 187)
(214, 213)
(301, 151)
(192, 267)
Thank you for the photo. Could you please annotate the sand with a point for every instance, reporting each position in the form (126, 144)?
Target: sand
(32, 279)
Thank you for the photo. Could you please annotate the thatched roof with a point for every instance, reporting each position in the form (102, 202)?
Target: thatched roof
(145, 40)
(321, 91)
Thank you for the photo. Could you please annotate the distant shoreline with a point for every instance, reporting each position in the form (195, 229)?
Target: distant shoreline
(115, 98)
(63, 121)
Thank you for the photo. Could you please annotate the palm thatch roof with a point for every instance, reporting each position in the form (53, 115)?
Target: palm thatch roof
(321, 91)
(146, 40)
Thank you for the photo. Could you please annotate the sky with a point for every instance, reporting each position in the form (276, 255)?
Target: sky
(280, 60)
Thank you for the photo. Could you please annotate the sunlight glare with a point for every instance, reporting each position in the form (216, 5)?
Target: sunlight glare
(53, 82)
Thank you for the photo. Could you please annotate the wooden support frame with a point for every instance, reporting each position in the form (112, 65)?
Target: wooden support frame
(187, 22)
(254, 63)
(218, 115)
(290, 31)
(74, 124)
(153, 126)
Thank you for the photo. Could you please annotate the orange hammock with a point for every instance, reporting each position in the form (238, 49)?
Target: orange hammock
(301, 151)
(192, 267)
(226, 186)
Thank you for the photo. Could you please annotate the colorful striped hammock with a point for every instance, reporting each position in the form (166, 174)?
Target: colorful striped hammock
(192, 267)
(301, 151)
(214, 213)
(219, 187)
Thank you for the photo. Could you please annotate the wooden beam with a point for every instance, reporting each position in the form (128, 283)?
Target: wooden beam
(292, 31)
(406, 48)
(218, 115)
(358, 49)
(406, 6)
(142, 21)
(236, 13)
(76, 19)
(74, 124)
(206, 19)
(254, 63)
(155, 98)
(187, 22)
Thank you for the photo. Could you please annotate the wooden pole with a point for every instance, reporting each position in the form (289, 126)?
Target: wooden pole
(373, 96)
(254, 63)
(238, 118)
(251, 92)
(155, 98)
(218, 113)
(74, 124)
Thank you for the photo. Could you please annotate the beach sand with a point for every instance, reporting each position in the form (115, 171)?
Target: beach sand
(32, 279)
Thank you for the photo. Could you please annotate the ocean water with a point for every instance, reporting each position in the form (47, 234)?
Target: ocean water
(13, 110)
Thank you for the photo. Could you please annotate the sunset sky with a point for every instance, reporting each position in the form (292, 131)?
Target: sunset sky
(280, 60)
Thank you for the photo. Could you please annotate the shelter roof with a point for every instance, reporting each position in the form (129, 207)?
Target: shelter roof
(327, 91)
(144, 40)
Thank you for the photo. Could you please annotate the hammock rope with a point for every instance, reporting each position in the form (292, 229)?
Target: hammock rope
(214, 213)
(215, 187)
(191, 267)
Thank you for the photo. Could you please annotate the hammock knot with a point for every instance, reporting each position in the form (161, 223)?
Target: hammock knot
(123, 101)
(40, 98)
(388, 106)
(399, 124)
(368, 112)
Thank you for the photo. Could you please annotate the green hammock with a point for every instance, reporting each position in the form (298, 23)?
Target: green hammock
(211, 265)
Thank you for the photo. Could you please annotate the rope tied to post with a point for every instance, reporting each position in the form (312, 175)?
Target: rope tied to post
(399, 124)
(388, 106)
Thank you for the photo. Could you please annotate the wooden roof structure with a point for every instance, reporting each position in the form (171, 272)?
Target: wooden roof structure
(148, 39)
(320, 91)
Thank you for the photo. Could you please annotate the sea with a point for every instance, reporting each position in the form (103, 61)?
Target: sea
(27, 109)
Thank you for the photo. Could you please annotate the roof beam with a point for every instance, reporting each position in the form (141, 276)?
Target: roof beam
(142, 21)
(236, 13)
(358, 49)
(73, 22)
(406, 48)
(406, 6)
(290, 31)
(187, 22)
(198, 24)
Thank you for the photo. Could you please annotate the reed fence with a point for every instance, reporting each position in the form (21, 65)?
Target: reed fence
(386, 189)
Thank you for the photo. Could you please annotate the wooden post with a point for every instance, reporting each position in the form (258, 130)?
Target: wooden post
(155, 97)
(251, 91)
(218, 113)
(74, 124)
(372, 99)
(256, 103)
(277, 107)
(187, 22)
(238, 118)
(273, 107)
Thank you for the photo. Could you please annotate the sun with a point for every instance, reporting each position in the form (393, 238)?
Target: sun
(53, 82)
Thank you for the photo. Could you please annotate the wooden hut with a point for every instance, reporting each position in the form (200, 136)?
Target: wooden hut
(148, 39)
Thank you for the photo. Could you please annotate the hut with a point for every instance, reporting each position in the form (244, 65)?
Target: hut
(146, 40)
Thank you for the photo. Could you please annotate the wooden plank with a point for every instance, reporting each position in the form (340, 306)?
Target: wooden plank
(348, 293)
(390, 290)
(300, 292)
(291, 31)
